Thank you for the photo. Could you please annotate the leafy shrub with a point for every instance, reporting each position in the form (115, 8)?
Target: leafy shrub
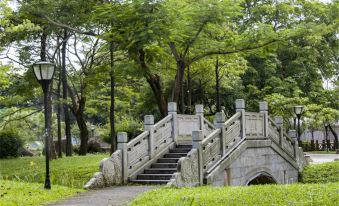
(10, 144)
(93, 146)
(321, 173)
(132, 126)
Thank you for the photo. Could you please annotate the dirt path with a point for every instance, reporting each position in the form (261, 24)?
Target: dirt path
(114, 196)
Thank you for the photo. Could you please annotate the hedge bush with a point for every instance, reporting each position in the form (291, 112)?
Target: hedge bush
(10, 144)
(321, 173)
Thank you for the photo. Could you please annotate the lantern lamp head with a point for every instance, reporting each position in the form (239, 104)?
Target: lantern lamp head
(44, 71)
(298, 110)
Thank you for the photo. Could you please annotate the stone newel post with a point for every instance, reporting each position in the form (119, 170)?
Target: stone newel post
(122, 145)
(240, 107)
(220, 119)
(172, 110)
(263, 108)
(197, 137)
(279, 122)
(149, 126)
(199, 110)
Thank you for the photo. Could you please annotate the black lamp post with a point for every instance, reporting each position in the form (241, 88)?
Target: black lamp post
(44, 72)
(326, 136)
(298, 110)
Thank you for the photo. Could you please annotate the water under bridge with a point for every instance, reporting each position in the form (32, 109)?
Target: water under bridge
(188, 150)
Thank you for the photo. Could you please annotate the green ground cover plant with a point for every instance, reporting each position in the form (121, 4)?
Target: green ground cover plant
(14, 193)
(72, 172)
(321, 173)
(259, 195)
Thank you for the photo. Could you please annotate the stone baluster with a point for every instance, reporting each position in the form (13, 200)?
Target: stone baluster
(263, 108)
(122, 145)
(279, 122)
(240, 107)
(197, 137)
(220, 119)
(149, 126)
(199, 111)
(172, 109)
(293, 135)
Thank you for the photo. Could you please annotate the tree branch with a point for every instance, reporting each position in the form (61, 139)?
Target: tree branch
(65, 26)
(248, 48)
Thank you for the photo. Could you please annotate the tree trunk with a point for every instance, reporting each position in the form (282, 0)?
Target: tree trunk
(64, 95)
(178, 81)
(217, 85)
(59, 107)
(81, 121)
(336, 142)
(112, 107)
(182, 100)
(155, 83)
(189, 91)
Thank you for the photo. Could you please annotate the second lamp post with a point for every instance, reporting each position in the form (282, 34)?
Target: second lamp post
(44, 72)
(298, 110)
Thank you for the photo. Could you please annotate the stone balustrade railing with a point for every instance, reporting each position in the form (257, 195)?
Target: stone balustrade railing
(213, 148)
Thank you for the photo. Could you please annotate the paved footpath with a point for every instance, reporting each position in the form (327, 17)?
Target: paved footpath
(114, 196)
(320, 158)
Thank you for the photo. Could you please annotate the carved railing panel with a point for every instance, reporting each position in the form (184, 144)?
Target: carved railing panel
(187, 124)
(208, 127)
(162, 134)
(254, 125)
(273, 132)
(232, 134)
(138, 151)
(211, 149)
(287, 144)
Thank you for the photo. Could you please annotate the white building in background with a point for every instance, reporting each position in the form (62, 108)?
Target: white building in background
(320, 135)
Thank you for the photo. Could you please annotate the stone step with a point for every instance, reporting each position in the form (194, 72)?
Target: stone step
(184, 146)
(154, 177)
(168, 160)
(160, 171)
(164, 165)
(180, 150)
(175, 155)
(149, 182)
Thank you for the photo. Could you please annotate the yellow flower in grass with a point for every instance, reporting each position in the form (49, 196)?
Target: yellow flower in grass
(31, 163)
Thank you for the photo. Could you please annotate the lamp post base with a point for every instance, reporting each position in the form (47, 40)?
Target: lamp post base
(47, 184)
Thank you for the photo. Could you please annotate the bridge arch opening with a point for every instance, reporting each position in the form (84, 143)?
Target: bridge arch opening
(262, 179)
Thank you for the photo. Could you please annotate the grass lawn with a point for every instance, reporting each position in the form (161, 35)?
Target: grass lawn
(321, 173)
(294, 194)
(21, 193)
(72, 172)
(322, 188)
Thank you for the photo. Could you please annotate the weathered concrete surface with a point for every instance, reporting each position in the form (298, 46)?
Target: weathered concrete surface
(187, 175)
(250, 160)
(321, 158)
(114, 196)
(255, 161)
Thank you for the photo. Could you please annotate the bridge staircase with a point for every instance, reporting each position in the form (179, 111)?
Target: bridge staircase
(162, 171)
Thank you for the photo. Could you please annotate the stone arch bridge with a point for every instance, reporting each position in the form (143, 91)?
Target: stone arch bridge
(188, 150)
